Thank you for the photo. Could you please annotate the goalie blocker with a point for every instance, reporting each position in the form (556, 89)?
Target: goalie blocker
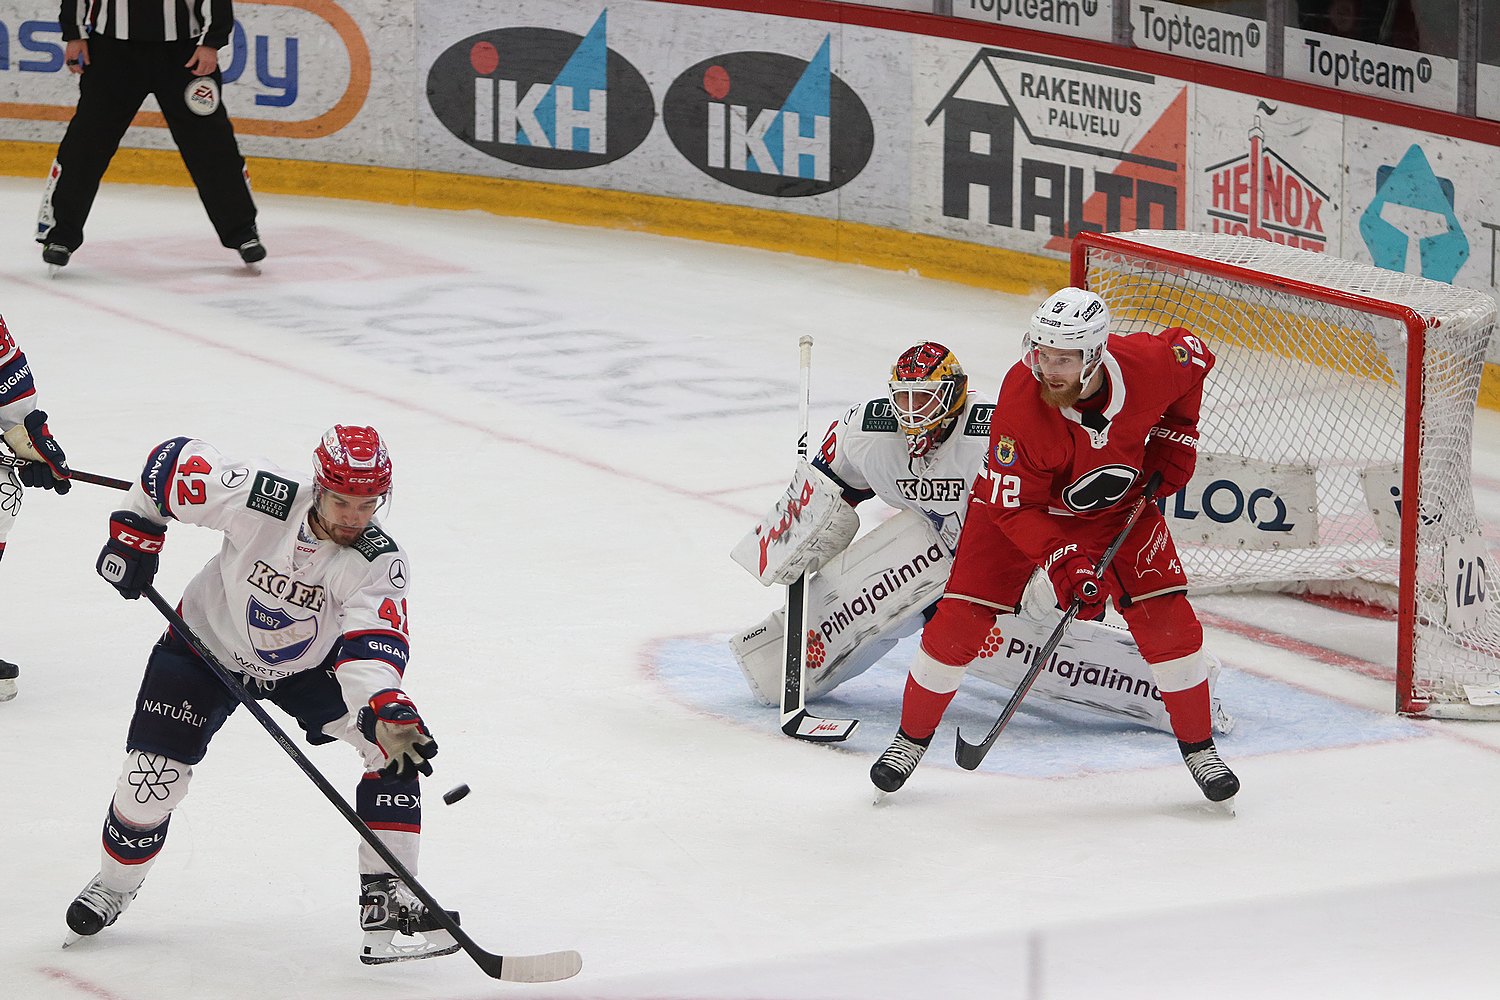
(869, 597)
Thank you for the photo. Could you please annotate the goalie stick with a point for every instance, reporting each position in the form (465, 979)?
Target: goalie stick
(73, 474)
(796, 721)
(546, 968)
(969, 754)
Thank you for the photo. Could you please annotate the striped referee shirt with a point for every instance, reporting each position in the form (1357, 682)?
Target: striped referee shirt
(207, 22)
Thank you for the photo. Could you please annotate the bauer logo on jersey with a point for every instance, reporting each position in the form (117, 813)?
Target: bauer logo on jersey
(879, 417)
(1005, 452)
(275, 635)
(272, 495)
(978, 423)
(1101, 488)
(202, 96)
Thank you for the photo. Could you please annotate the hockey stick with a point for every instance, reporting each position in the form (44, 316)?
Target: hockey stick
(73, 474)
(795, 719)
(969, 754)
(546, 968)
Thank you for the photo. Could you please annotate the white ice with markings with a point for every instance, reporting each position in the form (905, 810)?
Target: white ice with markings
(583, 422)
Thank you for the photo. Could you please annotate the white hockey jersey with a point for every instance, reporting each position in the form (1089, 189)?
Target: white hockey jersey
(865, 451)
(276, 600)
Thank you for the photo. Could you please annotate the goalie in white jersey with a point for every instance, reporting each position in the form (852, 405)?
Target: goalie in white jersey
(918, 448)
(306, 602)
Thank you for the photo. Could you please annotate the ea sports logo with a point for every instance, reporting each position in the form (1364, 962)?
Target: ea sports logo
(202, 96)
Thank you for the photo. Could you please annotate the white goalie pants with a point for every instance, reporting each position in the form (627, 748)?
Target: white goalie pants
(872, 595)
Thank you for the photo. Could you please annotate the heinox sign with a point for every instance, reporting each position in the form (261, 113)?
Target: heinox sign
(770, 123)
(544, 98)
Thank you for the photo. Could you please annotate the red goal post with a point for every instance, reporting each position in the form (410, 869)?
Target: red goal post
(1322, 466)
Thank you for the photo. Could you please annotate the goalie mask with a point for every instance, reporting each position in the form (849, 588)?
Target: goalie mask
(1070, 320)
(928, 389)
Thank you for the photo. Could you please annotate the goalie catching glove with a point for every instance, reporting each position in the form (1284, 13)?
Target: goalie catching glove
(47, 466)
(390, 721)
(1171, 450)
(809, 525)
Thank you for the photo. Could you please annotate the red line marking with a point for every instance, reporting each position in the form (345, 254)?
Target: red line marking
(1348, 606)
(82, 985)
(1313, 652)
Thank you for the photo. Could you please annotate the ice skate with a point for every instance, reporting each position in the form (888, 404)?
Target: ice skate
(900, 759)
(1210, 772)
(8, 674)
(387, 908)
(57, 256)
(95, 908)
(252, 252)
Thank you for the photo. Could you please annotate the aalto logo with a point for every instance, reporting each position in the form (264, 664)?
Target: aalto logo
(542, 98)
(770, 123)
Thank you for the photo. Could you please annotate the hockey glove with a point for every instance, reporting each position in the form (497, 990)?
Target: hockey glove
(47, 466)
(1172, 451)
(390, 721)
(130, 558)
(1073, 578)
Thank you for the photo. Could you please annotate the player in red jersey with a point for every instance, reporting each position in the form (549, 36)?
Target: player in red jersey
(1082, 421)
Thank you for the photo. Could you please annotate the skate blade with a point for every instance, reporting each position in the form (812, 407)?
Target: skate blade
(71, 938)
(7, 690)
(52, 270)
(381, 948)
(1227, 805)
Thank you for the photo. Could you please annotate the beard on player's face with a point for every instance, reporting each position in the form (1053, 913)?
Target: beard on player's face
(1062, 396)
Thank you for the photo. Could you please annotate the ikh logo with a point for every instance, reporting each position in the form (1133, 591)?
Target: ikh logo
(769, 123)
(542, 98)
(1261, 195)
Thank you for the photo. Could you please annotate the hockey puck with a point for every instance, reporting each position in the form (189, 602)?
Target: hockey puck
(455, 793)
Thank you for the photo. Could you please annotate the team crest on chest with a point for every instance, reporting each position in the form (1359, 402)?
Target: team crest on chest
(275, 635)
(1005, 451)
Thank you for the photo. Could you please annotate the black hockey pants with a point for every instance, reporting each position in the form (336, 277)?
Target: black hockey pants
(115, 82)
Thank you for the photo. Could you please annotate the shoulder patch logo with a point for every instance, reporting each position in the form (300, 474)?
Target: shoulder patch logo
(373, 543)
(978, 423)
(1005, 452)
(272, 495)
(879, 417)
(1182, 354)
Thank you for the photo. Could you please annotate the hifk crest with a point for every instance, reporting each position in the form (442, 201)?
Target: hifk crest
(275, 635)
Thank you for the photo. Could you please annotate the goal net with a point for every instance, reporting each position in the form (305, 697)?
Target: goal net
(1336, 439)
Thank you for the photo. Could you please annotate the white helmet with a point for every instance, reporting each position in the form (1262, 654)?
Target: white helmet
(1070, 320)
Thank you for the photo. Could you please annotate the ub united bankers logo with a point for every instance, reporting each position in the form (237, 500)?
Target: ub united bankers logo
(542, 98)
(769, 123)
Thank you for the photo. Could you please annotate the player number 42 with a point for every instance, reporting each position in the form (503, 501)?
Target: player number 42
(395, 616)
(1005, 490)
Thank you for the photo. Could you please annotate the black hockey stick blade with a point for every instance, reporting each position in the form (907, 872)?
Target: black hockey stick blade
(804, 726)
(544, 968)
(75, 475)
(968, 755)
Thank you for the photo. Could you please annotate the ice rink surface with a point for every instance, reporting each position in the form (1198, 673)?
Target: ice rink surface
(583, 423)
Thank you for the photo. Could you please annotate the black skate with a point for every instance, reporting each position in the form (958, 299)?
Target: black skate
(1210, 772)
(56, 255)
(8, 674)
(252, 251)
(388, 908)
(898, 762)
(95, 908)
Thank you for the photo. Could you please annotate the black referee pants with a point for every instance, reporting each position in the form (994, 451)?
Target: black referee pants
(115, 82)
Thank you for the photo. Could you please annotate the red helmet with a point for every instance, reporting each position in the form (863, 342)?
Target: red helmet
(352, 462)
